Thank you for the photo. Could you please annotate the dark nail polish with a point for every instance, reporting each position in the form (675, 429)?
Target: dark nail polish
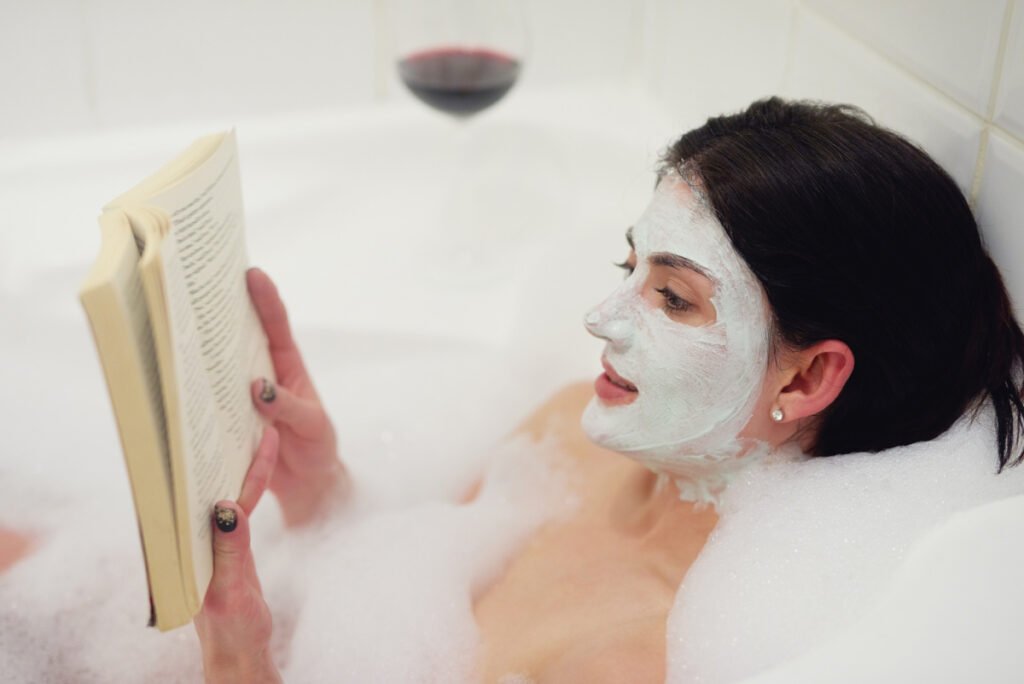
(225, 518)
(268, 393)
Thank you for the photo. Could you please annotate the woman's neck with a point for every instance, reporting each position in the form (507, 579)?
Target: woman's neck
(646, 504)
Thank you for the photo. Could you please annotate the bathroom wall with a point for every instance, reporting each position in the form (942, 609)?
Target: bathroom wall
(73, 65)
(68, 65)
(948, 73)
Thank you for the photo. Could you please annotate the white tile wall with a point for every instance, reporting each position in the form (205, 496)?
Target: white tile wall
(951, 44)
(43, 73)
(946, 73)
(713, 57)
(1010, 105)
(76, 64)
(1001, 211)
(828, 64)
(583, 42)
(158, 61)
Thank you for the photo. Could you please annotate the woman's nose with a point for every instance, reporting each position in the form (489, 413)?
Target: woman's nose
(612, 326)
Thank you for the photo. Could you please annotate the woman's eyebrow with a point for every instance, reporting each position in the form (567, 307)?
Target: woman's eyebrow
(676, 261)
(670, 260)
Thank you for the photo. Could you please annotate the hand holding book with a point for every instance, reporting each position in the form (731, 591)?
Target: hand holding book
(297, 461)
(235, 625)
(182, 328)
(308, 476)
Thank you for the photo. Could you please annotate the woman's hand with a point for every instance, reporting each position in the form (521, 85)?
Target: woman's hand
(234, 625)
(308, 474)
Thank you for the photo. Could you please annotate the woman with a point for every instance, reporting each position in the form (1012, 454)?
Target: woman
(801, 277)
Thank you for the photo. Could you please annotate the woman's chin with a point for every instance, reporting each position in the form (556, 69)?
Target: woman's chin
(606, 425)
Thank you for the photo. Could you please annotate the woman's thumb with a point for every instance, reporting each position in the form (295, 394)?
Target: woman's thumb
(231, 555)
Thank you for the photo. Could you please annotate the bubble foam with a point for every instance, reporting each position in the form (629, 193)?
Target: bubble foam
(804, 547)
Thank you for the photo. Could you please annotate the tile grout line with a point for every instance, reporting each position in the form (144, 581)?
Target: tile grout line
(636, 69)
(1011, 138)
(382, 40)
(646, 50)
(794, 26)
(993, 98)
(89, 65)
(979, 167)
(997, 73)
(645, 56)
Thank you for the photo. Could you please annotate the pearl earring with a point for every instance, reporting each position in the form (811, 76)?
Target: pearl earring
(777, 415)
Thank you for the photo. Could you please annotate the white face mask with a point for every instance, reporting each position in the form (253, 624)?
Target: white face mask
(696, 385)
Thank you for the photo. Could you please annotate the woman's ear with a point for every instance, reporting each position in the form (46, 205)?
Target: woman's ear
(818, 375)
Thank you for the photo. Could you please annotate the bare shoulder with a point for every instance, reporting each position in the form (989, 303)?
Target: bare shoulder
(559, 416)
(632, 654)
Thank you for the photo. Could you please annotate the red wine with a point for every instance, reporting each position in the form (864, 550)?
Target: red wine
(457, 80)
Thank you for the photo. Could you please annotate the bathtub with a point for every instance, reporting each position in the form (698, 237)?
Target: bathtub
(389, 230)
(431, 268)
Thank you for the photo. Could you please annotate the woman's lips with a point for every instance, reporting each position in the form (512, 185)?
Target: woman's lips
(612, 388)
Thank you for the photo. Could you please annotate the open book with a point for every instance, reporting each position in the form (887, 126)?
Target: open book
(180, 343)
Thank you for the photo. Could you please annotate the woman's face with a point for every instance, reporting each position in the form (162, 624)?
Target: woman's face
(687, 341)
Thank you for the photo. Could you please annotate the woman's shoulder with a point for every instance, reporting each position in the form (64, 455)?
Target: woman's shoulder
(557, 419)
(559, 415)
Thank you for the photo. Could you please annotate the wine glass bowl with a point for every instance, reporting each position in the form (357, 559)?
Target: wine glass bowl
(459, 56)
(459, 81)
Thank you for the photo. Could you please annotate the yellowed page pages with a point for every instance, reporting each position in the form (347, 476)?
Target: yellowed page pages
(115, 305)
(216, 345)
(197, 440)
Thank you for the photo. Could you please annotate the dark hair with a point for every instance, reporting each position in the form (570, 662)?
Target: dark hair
(857, 235)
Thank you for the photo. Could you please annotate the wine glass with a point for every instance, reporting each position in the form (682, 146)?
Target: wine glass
(459, 56)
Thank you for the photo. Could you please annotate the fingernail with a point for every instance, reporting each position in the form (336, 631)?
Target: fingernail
(268, 393)
(225, 518)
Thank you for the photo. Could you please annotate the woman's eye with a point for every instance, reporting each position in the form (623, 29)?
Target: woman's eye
(625, 266)
(673, 301)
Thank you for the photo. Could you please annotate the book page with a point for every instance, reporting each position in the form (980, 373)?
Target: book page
(208, 228)
(114, 300)
(218, 344)
(129, 283)
(153, 501)
(202, 441)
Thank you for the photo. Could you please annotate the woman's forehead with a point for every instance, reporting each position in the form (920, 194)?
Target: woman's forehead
(675, 221)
